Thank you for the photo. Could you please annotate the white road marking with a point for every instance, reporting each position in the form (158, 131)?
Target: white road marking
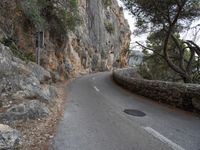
(96, 89)
(163, 139)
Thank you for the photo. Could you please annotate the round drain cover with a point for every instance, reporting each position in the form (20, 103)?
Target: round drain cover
(134, 112)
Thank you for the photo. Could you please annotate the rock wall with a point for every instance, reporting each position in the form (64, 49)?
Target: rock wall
(91, 47)
(21, 83)
(185, 96)
(26, 93)
(97, 44)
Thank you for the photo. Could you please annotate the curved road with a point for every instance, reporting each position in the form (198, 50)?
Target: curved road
(94, 119)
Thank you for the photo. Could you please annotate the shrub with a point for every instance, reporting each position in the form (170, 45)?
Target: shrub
(32, 10)
(43, 12)
(16, 51)
(107, 3)
(109, 27)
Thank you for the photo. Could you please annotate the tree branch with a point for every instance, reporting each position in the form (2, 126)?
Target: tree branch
(196, 47)
(150, 50)
(181, 52)
(171, 27)
(189, 66)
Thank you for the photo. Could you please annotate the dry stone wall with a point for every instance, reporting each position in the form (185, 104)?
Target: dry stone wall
(184, 96)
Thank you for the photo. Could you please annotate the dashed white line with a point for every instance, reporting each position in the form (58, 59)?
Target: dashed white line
(96, 89)
(163, 139)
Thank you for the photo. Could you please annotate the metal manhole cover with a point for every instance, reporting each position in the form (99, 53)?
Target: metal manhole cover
(134, 112)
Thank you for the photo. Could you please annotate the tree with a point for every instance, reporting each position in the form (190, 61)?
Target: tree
(169, 17)
(154, 66)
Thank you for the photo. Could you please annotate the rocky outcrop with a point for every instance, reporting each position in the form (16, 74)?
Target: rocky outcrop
(9, 138)
(185, 96)
(39, 72)
(21, 81)
(93, 39)
(92, 47)
(27, 110)
(98, 43)
(25, 92)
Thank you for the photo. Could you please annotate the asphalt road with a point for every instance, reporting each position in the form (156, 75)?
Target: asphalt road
(94, 119)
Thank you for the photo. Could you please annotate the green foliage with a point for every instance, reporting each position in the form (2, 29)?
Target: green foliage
(73, 5)
(196, 77)
(155, 68)
(107, 3)
(156, 14)
(49, 14)
(109, 27)
(69, 18)
(167, 18)
(32, 10)
(16, 51)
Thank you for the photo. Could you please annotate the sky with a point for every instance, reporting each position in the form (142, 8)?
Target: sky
(131, 22)
(142, 38)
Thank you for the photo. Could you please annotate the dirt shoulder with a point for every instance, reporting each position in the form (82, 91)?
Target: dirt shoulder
(38, 133)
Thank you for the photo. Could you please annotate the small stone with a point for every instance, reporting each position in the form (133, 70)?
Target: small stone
(9, 138)
(51, 136)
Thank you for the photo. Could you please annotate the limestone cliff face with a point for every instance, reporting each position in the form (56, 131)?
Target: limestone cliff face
(101, 46)
(92, 47)
(100, 42)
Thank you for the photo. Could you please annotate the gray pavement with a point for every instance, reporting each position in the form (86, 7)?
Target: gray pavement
(94, 119)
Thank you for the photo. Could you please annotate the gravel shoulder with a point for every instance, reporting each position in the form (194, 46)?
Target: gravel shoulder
(38, 133)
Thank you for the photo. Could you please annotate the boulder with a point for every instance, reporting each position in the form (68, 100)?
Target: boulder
(33, 90)
(9, 84)
(28, 110)
(9, 138)
(45, 94)
(19, 79)
(14, 73)
(5, 60)
(40, 73)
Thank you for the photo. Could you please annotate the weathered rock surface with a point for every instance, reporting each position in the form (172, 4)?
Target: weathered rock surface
(97, 48)
(27, 110)
(40, 73)
(99, 42)
(9, 138)
(20, 80)
(185, 96)
(24, 87)
(47, 94)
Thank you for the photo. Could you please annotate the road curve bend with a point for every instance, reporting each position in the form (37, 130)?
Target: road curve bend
(94, 119)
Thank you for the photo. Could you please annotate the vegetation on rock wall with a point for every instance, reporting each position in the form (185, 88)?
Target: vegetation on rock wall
(19, 20)
(46, 14)
(109, 27)
(32, 9)
(17, 52)
(107, 3)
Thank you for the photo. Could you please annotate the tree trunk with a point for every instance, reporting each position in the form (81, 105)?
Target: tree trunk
(187, 79)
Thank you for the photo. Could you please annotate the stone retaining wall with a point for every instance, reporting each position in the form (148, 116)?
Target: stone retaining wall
(185, 96)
